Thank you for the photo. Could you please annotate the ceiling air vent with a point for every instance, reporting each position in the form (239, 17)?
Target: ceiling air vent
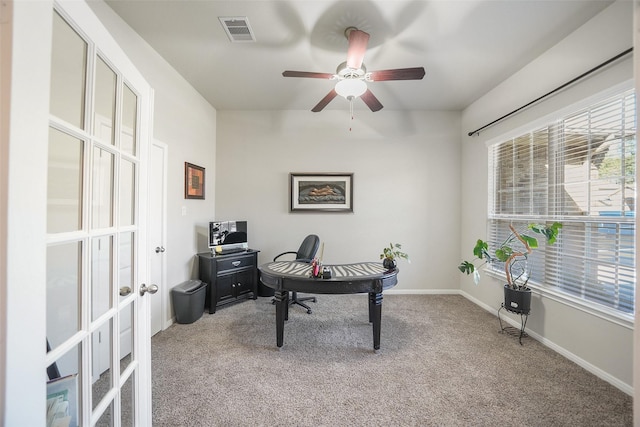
(237, 28)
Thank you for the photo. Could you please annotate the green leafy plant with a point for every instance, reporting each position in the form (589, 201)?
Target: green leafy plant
(513, 252)
(393, 251)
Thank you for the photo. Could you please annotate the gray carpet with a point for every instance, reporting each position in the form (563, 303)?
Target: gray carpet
(442, 362)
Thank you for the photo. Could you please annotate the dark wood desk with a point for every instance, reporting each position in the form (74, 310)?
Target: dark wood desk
(364, 277)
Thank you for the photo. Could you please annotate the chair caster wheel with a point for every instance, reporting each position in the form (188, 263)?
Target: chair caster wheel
(308, 311)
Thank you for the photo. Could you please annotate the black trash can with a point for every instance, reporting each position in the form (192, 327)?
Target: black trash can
(188, 300)
(263, 290)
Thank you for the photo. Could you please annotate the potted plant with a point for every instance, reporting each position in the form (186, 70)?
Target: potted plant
(389, 254)
(513, 252)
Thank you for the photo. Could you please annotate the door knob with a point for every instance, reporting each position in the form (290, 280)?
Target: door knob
(151, 289)
(124, 291)
(159, 249)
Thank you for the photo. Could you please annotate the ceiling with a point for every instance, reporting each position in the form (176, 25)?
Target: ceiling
(466, 47)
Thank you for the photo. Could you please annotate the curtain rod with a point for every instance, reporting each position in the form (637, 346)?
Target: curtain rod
(581, 76)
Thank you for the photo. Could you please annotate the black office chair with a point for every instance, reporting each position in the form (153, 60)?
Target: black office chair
(306, 252)
(236, 237)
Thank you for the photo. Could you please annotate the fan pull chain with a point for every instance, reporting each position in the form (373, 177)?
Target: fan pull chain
(350, 111)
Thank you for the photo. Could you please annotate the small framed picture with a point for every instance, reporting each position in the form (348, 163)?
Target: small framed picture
(321, 192)
(193, 181)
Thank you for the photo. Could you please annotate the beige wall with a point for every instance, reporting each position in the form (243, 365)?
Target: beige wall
(406, 185)
(599, 344)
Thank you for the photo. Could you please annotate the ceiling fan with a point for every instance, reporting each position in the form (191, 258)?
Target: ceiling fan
(352, 75)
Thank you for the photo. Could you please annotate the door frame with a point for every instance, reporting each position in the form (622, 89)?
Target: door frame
(25, 76)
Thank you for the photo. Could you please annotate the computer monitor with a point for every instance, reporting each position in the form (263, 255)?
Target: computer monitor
(228, 236)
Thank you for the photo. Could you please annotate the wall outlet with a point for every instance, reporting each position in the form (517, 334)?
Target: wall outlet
(184, 211)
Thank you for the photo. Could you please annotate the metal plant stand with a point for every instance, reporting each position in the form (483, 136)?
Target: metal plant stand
(524, 316)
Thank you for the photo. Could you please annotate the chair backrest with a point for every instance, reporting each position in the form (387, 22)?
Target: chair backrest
(236, 237)
(308, 248)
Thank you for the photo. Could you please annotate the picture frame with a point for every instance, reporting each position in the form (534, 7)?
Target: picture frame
(193, 181)
(321, 192)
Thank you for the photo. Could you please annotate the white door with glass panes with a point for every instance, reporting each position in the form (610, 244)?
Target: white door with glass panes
(97, 276)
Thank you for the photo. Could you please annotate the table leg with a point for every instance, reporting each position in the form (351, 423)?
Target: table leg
(375, 316)
(282, 304)
(286, 307)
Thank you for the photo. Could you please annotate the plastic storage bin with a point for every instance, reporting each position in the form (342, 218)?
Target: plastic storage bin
(188, 300)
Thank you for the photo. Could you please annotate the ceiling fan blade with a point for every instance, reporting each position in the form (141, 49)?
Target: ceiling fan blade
(372, 102)
(308, 74)
(326, 100)
(358, 41)
(416, 73)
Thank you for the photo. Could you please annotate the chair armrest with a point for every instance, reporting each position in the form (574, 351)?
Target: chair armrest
(284, 253)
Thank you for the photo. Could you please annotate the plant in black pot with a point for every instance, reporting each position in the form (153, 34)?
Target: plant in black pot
(389, 255)
(513, 252)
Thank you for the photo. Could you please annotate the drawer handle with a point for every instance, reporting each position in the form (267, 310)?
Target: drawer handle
(236, 263)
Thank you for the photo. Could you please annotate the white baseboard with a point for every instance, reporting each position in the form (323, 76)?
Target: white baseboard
(626, 388)
(168, 323)
(422, 292)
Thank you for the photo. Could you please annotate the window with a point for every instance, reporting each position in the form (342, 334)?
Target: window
(580, 171)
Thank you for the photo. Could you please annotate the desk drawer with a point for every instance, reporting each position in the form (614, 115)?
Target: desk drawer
(235, 263)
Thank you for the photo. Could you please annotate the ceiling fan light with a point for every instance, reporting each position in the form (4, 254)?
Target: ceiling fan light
(351, 88)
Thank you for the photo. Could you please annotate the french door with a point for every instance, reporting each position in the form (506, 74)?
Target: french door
(98, 338)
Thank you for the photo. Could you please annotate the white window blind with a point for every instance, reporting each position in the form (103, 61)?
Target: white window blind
(580, 171)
